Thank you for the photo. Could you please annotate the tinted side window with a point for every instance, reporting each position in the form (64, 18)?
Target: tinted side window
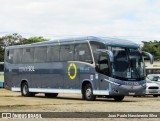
(66, 52)
(9, 56)
(103, 64)
(53, 53)
(28, 55)
(95, 46)
(82, 52)
(40, 54)
(17, 58)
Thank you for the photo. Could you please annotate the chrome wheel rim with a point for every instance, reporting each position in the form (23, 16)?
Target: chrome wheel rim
(25, 89)
(88, 92)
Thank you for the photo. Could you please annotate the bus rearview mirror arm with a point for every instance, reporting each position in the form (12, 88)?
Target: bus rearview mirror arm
(109, 53)
(149, 55)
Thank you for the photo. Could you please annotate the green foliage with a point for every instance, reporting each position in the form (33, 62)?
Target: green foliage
(34, 40)
(1, 55)
(9, 40)
(153, 48)
(16, 39)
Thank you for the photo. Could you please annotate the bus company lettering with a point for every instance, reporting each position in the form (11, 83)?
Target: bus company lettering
(84, 69)
(132, 83)
(27, 69)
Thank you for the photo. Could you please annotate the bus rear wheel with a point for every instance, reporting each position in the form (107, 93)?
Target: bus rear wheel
(118, 98)
(51, 95)
(25, 90)
(88, 93)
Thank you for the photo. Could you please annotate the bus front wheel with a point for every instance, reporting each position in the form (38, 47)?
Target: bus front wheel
(118, 98)
(88, 93)
(25, 90)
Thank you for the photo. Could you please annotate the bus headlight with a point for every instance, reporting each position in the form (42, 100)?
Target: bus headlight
(112, 82)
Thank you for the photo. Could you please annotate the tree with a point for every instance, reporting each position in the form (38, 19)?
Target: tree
(34, 40)
(13, 39)
(1, 55)
(153, 48)
(16, 39)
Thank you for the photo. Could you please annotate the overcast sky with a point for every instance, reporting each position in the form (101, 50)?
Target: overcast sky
(129, 19)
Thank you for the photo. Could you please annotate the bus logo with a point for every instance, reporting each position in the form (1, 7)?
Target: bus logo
(69, 71)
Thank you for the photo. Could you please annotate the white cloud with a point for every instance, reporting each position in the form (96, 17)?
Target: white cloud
(131, 19)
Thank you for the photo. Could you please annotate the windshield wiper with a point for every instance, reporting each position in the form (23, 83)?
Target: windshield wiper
(135, 69)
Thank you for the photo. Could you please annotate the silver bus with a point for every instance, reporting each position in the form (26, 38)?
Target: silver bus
(91, 66)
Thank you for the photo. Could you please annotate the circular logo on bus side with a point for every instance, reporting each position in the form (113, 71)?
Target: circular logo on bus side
(73, 76)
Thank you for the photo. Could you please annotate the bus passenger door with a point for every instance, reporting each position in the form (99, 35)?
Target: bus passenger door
(103, 67)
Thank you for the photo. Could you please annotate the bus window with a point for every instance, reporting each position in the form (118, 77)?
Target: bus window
(28, 55)
(103, 63)
(40, 54)
(9, 56)
(53, 53)
(66, 53)
(82, 53)
(17, 58)
(95, 46)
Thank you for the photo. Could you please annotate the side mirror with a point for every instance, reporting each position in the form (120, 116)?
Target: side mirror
(149, 55)
(109, 53)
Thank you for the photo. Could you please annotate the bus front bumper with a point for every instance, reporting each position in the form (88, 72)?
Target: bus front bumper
(127, 90)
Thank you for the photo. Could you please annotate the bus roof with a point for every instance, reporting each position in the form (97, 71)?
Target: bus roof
(106, 40)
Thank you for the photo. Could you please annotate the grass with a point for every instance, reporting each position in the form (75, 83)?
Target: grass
(1, 78)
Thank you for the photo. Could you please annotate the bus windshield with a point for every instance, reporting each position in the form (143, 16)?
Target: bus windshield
(128, 64)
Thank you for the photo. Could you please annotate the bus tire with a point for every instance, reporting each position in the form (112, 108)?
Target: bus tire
(25, 90)
(51, 95)
(118, 98)
(88, 93)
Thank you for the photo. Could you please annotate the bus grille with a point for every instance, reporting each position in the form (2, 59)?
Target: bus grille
(153, 88)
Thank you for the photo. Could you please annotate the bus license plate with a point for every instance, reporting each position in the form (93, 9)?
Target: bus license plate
(131, 93)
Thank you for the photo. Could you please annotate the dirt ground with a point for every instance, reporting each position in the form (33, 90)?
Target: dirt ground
(14, 102)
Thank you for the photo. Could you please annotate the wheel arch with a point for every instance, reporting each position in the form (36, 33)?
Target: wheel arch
(84, 82)
(23, 81)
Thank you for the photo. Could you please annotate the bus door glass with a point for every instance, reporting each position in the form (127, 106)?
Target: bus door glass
(103, 67)
(103, 64)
